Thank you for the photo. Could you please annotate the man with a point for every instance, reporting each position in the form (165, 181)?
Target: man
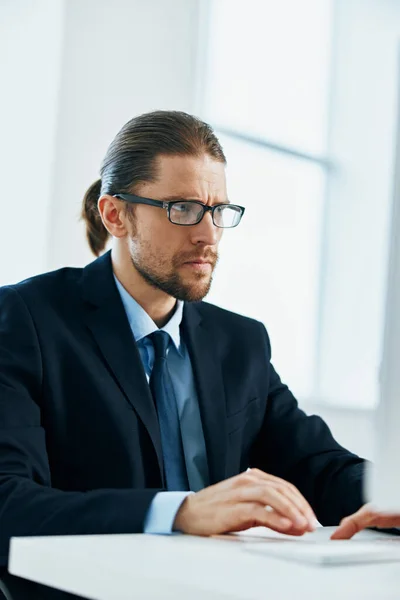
(121, 392)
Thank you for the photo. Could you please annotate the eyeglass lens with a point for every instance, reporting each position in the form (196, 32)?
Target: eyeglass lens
(190, 213)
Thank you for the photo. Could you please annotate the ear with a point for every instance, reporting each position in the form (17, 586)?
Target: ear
(112, 212)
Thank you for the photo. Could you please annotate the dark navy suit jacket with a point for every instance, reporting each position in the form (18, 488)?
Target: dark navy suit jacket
(80, 448)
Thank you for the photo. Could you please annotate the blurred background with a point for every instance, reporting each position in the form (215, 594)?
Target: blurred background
(303, 95)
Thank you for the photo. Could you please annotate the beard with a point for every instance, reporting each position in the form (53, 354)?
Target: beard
(166, 277)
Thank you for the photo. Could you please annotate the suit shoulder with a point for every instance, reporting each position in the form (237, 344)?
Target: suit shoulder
(46, 284)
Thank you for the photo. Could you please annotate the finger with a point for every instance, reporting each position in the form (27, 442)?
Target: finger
(351, 525)
(293, 530)
(267, 495)
(255, 476)
(292, 490)
(302, 506)
(292, 493)
(347, 528)
(252, 514)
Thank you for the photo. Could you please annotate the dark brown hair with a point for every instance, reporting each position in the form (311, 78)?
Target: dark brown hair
(131, 157)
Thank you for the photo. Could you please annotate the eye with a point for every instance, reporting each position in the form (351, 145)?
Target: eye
(182, 207)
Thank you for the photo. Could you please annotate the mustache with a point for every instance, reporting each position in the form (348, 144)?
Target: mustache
(210, 256)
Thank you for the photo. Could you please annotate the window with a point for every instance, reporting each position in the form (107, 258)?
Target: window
(268, 70)
(266, 93)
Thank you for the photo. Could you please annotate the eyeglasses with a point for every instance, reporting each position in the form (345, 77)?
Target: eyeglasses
(191, 212)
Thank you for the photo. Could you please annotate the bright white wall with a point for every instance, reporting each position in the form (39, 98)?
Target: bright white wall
(30, 54)
(120, 59)
(72, 73)
(362, 143)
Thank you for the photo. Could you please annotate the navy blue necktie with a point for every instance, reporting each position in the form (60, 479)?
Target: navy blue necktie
(168, 417)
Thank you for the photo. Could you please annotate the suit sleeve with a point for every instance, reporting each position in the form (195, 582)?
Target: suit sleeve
(28, 503)
(302, 450)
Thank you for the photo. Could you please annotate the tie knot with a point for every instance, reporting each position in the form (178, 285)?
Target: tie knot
(160, 341)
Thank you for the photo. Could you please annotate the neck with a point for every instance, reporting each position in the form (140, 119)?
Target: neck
(159, 306)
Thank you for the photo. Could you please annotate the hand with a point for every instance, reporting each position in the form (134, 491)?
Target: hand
(365, 517)
(247, 500)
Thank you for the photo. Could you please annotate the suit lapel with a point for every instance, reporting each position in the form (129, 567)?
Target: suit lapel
(106, 318)
(202, 343)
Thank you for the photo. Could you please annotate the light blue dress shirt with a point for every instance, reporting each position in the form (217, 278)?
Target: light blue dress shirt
(165, 505)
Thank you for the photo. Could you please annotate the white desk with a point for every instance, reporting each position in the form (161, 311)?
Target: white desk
(125, 567)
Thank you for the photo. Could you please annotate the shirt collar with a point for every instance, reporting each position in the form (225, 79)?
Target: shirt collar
(143, 325)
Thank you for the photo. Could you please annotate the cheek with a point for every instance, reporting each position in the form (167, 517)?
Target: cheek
(164, 242)
(160, 239)
(151, 233)
(173, 236)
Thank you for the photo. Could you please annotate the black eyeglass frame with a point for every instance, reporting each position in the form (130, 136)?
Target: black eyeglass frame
(133, 199)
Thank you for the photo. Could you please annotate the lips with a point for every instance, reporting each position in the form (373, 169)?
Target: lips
(199, 266)
(202, 261)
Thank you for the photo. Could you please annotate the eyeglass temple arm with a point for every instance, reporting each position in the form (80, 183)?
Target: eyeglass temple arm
(137, 200)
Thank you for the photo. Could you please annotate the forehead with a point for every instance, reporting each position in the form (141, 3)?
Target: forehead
(190, 175)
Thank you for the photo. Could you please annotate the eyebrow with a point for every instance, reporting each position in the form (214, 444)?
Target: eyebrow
(175, 198)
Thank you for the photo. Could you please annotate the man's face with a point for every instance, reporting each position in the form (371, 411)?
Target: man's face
(162, 252)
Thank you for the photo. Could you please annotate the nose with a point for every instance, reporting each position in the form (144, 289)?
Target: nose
(206, 232)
